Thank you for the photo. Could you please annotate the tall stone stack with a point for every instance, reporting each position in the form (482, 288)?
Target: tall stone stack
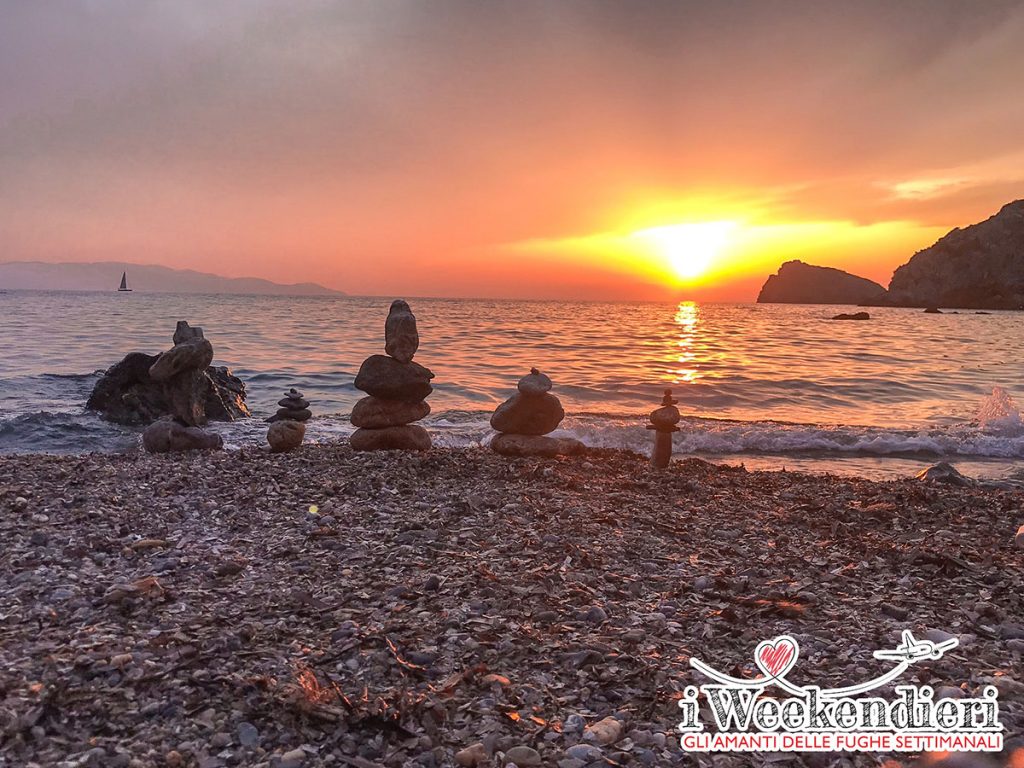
(180, 372)
(396, 389)
(526, 418)
(663, 422)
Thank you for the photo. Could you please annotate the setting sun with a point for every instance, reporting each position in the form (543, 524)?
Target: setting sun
(689, 248)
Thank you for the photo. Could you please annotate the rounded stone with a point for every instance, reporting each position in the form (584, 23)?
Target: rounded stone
(536, 445)
(410, 437)
(528, 414)
(292, 415)
(401, 339)
(665, 417)
(167, 436)
(285, 435)
(194, 355)
(374, 413)
(389, 379)
(534, 383)
(296, 403)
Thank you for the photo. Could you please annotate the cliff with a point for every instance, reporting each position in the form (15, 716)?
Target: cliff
(799, 283)
(977, 267)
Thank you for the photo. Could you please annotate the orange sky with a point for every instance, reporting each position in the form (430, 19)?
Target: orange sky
(504, 149)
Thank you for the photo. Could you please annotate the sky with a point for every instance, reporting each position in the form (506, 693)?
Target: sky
(538, 149)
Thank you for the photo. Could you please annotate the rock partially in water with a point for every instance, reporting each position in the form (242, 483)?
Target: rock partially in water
(410, 437)
(168, 436)
(528, 414)
(944, 472)
(536, 445)
(126, 394)
(800, 283)
(978, 267)
(388, 379)
(374, 413)
(401, 339)
(852, 316)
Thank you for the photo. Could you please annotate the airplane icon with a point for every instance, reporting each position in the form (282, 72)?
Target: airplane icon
(912, 649)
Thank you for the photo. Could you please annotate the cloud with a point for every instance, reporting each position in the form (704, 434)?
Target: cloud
(373, 145)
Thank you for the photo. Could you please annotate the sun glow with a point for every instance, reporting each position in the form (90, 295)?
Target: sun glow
(692, 248)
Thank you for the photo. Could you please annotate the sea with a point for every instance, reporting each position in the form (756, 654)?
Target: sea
(765, 386)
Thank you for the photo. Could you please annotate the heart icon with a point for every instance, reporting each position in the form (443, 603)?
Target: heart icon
(776, 657)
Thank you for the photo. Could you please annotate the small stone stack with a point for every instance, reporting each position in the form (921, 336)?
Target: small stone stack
(288, 425)
(181, 374)
(397, 389)
(663, 422)
(525, 419)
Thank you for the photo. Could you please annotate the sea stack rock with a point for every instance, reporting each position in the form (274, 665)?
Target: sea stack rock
(526, 418)
(288, 425)
(663, 422)
(396, 389)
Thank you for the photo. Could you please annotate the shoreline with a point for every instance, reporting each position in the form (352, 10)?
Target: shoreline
(164, 609)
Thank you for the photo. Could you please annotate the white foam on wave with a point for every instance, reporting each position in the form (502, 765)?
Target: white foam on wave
(999, 414)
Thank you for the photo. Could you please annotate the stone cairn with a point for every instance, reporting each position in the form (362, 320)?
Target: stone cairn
(181, 373)
(396, 389)
(526, 418)
(663, 422)
(288, 425)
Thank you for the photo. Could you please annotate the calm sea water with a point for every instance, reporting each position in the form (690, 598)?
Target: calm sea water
(768, 385)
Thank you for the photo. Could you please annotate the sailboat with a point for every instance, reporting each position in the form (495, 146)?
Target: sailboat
(124, 282)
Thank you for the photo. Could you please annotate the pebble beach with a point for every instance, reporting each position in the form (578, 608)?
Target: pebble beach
(456, 607)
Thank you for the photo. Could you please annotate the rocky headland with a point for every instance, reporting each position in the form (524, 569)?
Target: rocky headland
(977, 267)
(800, 283)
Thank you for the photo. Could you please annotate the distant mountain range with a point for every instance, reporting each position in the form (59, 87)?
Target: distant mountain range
(977, 267)
(143, 278)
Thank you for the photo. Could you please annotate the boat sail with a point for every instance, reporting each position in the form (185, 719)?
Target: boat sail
(124, 282)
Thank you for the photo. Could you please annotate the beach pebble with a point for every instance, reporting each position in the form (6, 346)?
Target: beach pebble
(1019, 539)
(574, 724)
(585, 752)
(596, 615)
(948, 692)
(248, 734)
(21, 503)
(432, 584)
(473, 755)
(523, 756)
(293, 758)
(604, 732)
(894, 611)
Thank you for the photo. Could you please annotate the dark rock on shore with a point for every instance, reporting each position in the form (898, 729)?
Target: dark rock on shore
(127, 394)
(852, 316)
(977, 267)
(800, 283)
(410, 437)
(168, 436)
(389, 379)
